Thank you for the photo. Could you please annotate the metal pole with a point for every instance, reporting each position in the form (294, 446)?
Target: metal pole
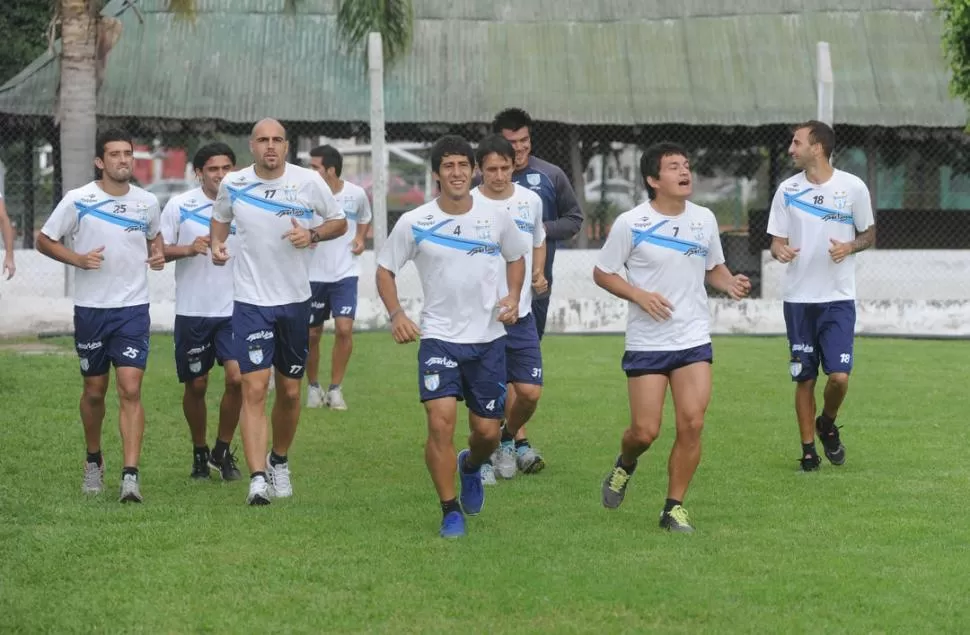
(375, 57)
(826, 92)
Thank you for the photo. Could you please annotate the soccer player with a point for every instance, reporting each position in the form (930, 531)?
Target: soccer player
(279, 210)
(203, 312)
(462, 250)
(668, 248)
(561, 213)
(333, 280)
(523, 359)
(112, 227)
(819, 218)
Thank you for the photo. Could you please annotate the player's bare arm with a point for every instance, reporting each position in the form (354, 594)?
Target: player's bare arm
(515, 274)
(333, 228)
(199, 247)
(218, 234)
(655, 305)
(402, 328)
(539, 282)
(56, 250)
(6, 230)
(737, 286)
(863, 240)
(781, 250)
(357, 247)
(156, 253)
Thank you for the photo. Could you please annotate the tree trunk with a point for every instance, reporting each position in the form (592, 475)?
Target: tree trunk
(77, 96)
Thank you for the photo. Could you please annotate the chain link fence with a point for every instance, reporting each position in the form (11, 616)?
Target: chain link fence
(919, 180)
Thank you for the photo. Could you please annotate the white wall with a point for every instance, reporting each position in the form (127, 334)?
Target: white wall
(921, 293)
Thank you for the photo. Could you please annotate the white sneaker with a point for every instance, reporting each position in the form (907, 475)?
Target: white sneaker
(130, 492)
(335, 399)
(529, 460)
(505, 461)
(258, 491)
(314, 397)
(93, 478)
(279, 479)
(488, 474)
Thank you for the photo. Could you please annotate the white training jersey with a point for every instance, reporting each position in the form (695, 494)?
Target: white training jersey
(201, 288)
(90, 218)
(269, 271)
(669, 255)
(461, 261)
(810, 216)
(332, 259)
(525, 207)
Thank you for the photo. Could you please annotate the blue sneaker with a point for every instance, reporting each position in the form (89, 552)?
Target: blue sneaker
(472, 495)
(453, 525)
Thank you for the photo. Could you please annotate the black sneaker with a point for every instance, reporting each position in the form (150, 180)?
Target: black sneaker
(200, 466)
(831, 444)
(227, 467)
(810, 463)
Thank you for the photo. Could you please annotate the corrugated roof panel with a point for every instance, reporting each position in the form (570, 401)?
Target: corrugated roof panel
(752, 69)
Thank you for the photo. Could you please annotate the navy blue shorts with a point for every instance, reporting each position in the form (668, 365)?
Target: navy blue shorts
(333, 299)
(474, 373)
(111, 336)
(265, 336)
(523, 358)
(639, 363)
(199, 342)
(820, 332)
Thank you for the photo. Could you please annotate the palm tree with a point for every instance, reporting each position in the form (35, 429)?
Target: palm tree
(393, 19)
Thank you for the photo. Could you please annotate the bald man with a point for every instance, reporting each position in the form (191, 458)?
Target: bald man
(279, 209)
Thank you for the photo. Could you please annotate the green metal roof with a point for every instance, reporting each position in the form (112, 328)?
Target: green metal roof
(625, 62)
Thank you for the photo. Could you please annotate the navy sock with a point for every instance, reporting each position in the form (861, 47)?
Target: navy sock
(450, 506)
(275, 459)
(219, 452)
(129, 470)
(95, 457)
(255, 474)
(506, 435)
(333, 387)
(521, 443)
(629, 469)
(670, 504)
(809, 448)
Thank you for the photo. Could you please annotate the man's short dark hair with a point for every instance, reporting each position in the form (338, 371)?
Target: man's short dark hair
(821, 133)
(329, 157)
(512, 119)
(209, 150)
(494, 144)
(109, 135)
(449, 145)
(652, 158)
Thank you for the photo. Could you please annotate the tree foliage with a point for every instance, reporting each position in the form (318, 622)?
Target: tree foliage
(956, 44)
(23, 25)
(393, 19)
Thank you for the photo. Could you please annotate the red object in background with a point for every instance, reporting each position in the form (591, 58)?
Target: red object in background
(174, 161)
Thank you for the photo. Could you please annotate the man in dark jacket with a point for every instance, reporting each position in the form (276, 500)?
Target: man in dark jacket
(560, 210)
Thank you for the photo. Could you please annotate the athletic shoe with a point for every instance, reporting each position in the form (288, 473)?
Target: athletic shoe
(472, 495)
(614, 487)
(831, 443)
(676, 520)
(279, 479)
(452, 525)
(259, 493)
(130, 492)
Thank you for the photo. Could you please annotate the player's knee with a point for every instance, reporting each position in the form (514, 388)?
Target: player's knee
(643, 434)
(839, 381)
(528, 393)
(129, 390)
(197, 386)
(440, 427)
(316, 332)
(288, 390)
(233, 379)
(93, 395)
(254, 388)
(690, 424)
(343, 330)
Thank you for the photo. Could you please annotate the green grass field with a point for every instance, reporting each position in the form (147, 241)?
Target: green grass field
(878, 545)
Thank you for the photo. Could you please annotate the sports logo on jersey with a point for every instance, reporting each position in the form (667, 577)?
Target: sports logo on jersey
(432, 381)
(523, 209)
(697, 228)
(89, 197)
(195, 364)
(533, 179)
(840, 199)
(795, 368)
(289, 192)
(255, 354)
(483, 227)
(792, 187)
(643, 222)
(85, 364)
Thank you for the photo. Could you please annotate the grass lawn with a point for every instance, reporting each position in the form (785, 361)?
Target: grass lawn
(877, 545)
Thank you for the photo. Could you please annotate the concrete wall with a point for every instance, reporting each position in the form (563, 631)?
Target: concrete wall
(914, 294)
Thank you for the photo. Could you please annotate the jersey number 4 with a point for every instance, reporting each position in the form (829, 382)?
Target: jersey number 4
(457, 231)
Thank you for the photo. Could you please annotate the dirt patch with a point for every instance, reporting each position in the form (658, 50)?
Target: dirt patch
(33, 348)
